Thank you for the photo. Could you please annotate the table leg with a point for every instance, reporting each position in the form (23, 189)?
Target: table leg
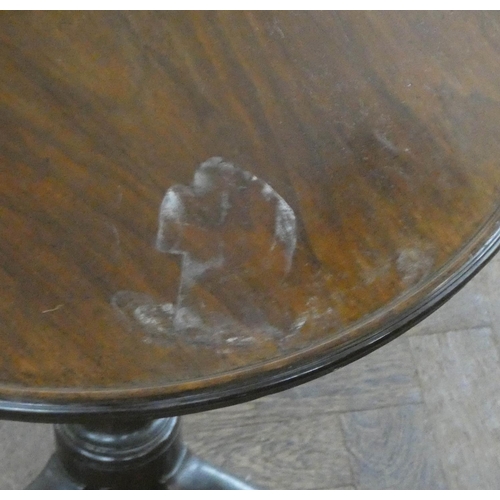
(134, 455)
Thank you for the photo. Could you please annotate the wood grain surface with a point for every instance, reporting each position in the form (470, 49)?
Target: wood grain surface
(199, 206)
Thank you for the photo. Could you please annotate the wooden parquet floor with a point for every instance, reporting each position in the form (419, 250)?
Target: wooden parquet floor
(422, 412)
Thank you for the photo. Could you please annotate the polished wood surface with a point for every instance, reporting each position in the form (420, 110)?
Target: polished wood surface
(408, 416)
(198, 206)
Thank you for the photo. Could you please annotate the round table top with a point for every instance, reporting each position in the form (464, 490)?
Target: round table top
(200, 208)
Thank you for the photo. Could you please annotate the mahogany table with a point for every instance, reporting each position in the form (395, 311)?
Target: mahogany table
(198, 209)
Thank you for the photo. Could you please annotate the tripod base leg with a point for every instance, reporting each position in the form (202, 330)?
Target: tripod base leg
(196, 474)
(54, 477)
(137, 455)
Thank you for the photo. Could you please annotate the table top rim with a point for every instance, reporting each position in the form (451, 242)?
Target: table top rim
(246, 384)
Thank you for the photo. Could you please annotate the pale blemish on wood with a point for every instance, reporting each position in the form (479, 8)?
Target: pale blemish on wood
(414, 264)
(225, 226)
(53, 309)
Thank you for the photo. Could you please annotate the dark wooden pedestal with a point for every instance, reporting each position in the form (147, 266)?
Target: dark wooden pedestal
(133, 455)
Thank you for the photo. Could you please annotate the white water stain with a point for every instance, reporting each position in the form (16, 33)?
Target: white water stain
(386, 143)
(286, 229)
(172, 206)
(226, 224)
(370, 276)
(414, 264)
